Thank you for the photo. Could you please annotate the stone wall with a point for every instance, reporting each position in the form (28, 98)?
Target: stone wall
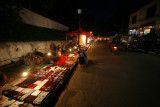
(13, 51)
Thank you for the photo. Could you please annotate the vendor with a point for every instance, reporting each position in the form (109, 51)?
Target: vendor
(3, 79)
(58, 55)
(63, 49)
(60, 59)
(82, 57)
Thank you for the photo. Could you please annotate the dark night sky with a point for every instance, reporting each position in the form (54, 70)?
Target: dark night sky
(97, 8)
(100, 9)
(97, 12)
(107, 8)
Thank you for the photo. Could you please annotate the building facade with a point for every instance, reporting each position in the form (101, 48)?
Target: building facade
(145, 20)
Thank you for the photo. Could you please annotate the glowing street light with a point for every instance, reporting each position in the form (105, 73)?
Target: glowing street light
(79, 12)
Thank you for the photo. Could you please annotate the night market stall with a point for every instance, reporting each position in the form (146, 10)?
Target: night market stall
(36, 90)
(84, 37)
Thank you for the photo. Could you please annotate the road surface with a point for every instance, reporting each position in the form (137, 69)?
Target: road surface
(126, 80)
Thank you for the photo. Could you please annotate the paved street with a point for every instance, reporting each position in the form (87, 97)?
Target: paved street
(126, 80)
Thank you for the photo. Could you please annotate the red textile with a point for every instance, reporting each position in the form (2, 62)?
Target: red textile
(41, 79)
(61, 61)
(32, 86)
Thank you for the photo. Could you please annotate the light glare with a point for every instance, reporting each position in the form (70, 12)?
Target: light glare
(49, 54)
(70, 49)
(25, 74)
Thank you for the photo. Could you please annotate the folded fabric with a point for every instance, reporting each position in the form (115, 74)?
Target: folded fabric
(40, 97)
(27, 82)
(17, 104)
(5, 102)
(32, 97)
(10, 93)
(32, 86)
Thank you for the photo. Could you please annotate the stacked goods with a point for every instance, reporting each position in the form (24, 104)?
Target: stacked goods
(32, 59)
(71, 59)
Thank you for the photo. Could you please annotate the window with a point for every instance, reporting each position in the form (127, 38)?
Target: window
(151, 11)
(134, 19)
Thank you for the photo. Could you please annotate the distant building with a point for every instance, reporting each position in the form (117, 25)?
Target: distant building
(145, 20)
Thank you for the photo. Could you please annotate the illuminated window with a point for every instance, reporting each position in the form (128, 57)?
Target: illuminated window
(147, 31)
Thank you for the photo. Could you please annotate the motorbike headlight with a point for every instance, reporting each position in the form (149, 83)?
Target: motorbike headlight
(114, 48)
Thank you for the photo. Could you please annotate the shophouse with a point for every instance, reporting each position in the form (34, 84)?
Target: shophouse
(145, 20)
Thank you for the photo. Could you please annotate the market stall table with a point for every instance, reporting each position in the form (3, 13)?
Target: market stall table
(36, 89)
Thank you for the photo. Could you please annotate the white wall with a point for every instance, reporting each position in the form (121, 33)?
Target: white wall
(13, 51)
(35, 19)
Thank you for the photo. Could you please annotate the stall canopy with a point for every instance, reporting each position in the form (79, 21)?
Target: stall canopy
(98, 36)
(82, 32)
(105, 36)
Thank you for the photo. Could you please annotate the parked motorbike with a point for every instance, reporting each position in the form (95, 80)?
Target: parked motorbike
(132, 46)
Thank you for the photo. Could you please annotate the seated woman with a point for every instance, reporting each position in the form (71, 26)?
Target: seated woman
(63, 49)
(58, 55)
(82, 57)
(60, 59)
(3, 79)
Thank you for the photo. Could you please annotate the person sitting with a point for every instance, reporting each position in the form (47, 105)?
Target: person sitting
(3, 79)
(82, 57)
(59, 54)
(63, 49)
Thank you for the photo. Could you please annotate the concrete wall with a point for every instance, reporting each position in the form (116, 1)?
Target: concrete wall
(141, 15)
(13, 51)
(35, 19)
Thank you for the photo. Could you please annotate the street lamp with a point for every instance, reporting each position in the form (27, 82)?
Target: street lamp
(79, 12)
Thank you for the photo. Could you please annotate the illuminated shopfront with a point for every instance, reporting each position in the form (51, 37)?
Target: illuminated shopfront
(84, 37)
(141, 31)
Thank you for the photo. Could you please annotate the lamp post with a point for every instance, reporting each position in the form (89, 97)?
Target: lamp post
(79, 13)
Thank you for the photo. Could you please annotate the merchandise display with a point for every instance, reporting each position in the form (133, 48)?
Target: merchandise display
(33, 90)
